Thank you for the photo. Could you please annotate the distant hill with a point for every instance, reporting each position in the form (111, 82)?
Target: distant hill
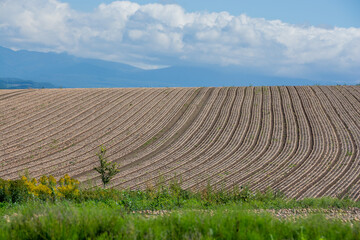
(64, 70)
(16, 83)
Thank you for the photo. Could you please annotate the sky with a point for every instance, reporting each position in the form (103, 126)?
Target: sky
(303, 39)
(326, 13)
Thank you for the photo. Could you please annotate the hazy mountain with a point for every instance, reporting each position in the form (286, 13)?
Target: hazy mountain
(64, 70)
(16, 83)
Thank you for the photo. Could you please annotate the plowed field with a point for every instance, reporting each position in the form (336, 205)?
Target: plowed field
(303, 141)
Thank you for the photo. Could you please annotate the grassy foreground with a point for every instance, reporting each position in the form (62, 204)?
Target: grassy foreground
(99, 220)
(47, 209)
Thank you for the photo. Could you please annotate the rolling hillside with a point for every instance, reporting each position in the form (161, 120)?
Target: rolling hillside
(301, 140)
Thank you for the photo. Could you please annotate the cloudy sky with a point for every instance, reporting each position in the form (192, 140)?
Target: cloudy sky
(284, 37)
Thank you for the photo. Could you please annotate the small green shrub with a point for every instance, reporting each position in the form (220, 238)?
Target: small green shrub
(107, 170)
(13, 191)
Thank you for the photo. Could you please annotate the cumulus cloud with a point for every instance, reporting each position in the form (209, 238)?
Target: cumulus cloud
(165, 34)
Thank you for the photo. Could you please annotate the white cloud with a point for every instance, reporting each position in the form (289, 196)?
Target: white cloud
(158, 34)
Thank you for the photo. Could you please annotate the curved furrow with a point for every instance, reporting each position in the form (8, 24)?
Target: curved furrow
(345, 110)
(70, 141)
(215, 175)
(353, 185)
(189, 141)
(304, 148)
(45, 110)
(340, 178)
(7, 92)
(131, 134)
(23, 103)
(262, 144)
(7, 118)
(322, 150)
(355, 91)
(172, 132)
(236, 133)
(61, 117)
(274, 145)
(354, 192)
(191, 105)
(356, 195)
(154, 122)
(286, 129)
(117, 128)
(30, 110)
(54, 134)
(332, 142)
(237, 137)
(41, 128)
(353, 95)
(79, 142)
(38, 115)
(6, 150)
(189, 112)
(352, 107)
(69, 145)
(354, 99)
(37, 152)
(17, 109)
(14, 94)
(4, 93)
(208, 145)
(174, 128)
(335, 164)
(303, 141)
(9, 109)
(75, 145)
(186, 167)
(289, 183)
(16, 115)
(246, 138)
(195, 107)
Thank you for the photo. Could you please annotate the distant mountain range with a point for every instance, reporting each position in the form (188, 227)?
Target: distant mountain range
(16, 83)
(64, 70)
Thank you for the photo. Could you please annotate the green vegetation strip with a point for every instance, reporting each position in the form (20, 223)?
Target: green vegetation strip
(50, 209)
(99, 220)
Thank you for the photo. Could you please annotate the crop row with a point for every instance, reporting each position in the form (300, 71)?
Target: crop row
(303, 141)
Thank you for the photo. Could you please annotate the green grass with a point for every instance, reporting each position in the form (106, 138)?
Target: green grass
(172, 197)
(165, 212)
(100, 220)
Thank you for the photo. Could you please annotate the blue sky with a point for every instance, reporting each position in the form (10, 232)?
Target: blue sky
(341, 13)
(285, 38)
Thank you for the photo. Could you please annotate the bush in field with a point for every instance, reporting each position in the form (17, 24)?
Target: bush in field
(49, 188)
(107, 170)
(13, 191)
(68, 187)
(45, 188)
